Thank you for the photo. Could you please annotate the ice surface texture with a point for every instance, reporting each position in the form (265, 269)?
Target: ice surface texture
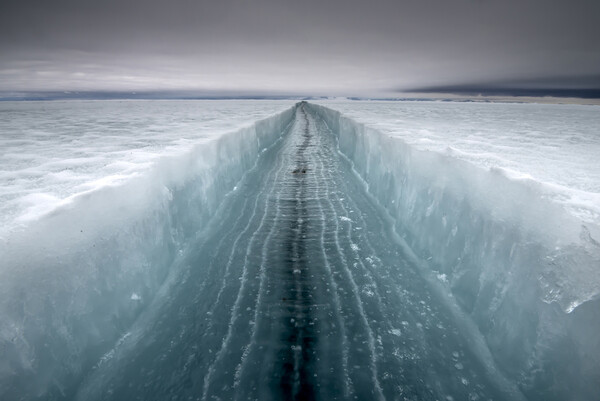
(93, 229)
(524, 269)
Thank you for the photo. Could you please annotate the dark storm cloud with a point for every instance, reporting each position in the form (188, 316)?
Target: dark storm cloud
(277, 46)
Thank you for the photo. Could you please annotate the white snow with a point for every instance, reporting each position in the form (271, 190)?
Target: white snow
(552, 147)
(52, 152)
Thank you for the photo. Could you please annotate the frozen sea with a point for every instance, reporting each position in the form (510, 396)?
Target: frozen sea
(278, 250)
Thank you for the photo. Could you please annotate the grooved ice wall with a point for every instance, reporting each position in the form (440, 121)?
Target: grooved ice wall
(72, 282)
(526, 271)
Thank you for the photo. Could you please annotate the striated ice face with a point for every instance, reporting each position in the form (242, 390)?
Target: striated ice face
(52, 151)
(556, 146)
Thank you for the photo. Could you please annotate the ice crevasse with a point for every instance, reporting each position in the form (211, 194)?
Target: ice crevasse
(525, 271)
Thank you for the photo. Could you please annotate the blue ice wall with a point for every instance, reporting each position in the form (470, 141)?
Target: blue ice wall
(73, 282)
(524, 270)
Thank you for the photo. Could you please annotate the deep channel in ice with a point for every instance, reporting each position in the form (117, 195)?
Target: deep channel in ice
(100, 200)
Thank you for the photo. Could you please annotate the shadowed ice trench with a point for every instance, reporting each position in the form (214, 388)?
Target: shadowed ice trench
(299, 292)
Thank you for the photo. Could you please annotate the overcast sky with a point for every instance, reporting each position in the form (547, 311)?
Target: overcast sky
(317, 47)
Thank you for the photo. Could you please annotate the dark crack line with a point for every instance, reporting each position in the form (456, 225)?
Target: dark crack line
(297, 362)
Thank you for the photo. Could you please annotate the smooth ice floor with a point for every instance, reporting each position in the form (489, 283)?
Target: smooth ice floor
(301, 291)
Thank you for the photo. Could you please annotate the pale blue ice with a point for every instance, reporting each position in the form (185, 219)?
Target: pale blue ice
(273, 250)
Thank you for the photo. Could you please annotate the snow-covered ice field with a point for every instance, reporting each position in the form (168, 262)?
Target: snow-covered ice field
(554, 146)
(272, 250)
(54, 151)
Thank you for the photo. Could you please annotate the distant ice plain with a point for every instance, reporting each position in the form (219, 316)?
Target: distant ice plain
(555, 145)
(54, 150)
